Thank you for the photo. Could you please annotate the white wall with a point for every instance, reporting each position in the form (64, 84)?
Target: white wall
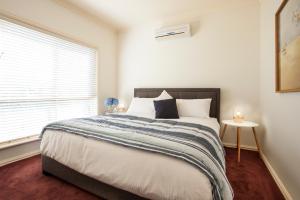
(223, 52)
(57, 18)
(280, 111)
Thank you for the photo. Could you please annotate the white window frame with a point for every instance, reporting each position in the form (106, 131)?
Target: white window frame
(46, 30)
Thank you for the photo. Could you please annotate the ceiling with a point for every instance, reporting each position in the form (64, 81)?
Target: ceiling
(126, 13)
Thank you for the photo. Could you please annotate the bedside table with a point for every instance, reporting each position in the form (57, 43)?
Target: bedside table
(244, 124)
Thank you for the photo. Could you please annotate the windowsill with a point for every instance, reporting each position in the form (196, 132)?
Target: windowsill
(11, 143)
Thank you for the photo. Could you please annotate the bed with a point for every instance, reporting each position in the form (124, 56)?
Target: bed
(113, 169)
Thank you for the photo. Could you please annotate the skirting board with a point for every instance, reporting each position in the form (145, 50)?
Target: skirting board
(281, 186)
(19, 157)
(246, 147)
(273, 173)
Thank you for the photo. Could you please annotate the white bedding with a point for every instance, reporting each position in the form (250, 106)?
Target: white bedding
(146, 174)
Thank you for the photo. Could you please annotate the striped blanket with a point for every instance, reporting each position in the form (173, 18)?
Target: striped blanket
(196, 144)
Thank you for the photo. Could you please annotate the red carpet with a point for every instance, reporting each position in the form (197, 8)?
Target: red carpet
(250, 179)
(24, 180)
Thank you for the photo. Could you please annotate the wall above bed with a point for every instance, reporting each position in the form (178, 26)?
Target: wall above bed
(223, 52)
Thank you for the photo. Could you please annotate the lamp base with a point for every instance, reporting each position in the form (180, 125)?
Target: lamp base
(238, 119)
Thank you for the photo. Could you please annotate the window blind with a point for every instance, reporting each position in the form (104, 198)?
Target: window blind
(42, 79)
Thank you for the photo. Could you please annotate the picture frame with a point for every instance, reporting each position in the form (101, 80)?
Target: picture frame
(287, 46)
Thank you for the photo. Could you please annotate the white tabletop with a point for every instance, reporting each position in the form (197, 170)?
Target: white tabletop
(240, 124)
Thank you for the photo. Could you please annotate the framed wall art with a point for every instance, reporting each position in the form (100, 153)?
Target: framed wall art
(288, 46)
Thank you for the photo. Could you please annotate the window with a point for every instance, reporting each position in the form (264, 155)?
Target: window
(42, 79)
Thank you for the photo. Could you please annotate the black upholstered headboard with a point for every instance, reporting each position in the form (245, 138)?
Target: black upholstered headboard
(186, 93)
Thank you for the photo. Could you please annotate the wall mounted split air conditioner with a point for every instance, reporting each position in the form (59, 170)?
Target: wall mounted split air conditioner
(173, 32)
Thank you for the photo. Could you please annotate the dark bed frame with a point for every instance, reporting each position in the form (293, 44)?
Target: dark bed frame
(52, 167)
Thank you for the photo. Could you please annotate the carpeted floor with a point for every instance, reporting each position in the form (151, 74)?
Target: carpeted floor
(250, 179)
(24, 180)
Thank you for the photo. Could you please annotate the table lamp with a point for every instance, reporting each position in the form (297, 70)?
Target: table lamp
(238, 117)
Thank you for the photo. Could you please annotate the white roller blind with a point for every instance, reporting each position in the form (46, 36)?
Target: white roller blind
(42, 79)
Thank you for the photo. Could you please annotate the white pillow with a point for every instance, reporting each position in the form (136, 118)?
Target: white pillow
(164, 95)
(193, 107)
(143, 107)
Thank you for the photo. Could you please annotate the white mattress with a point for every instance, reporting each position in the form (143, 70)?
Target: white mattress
(146, 174)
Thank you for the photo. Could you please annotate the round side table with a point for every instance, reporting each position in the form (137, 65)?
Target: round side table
(239, 125)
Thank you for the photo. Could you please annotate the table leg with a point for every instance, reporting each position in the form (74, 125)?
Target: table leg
(223, 132)
(256, 141)
(238, 142)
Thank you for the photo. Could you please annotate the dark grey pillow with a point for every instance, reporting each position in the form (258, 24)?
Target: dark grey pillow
(166, 109)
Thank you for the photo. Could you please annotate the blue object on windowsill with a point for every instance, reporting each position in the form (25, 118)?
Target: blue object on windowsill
(110, 104)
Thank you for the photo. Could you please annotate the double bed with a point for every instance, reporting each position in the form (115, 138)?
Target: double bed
(121, 156)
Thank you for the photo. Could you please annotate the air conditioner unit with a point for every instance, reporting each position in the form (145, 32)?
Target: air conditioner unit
(173, 31)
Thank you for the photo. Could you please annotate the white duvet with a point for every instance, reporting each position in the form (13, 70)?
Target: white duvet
(146, 174)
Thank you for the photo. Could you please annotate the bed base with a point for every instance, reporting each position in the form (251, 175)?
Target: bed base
(52, 167)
